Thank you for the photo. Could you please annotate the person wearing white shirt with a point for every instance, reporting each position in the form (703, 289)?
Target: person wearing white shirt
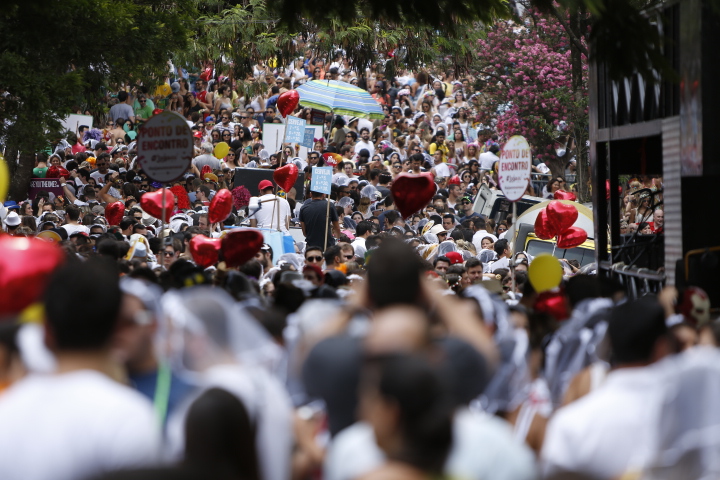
(362, 231)
(481, 233)
(503, 252)
(274, 212)
(72, 215)
(365, 142)
(78, 422)
(612, 431)
(488, 159)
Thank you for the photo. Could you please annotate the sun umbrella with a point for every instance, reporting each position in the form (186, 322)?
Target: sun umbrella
(339, 98)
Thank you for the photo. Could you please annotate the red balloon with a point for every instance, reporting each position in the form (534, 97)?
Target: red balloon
(561, 215)
(553, 303)
(563, 195)
(205, 169)
(571, 238)
(25, 267)
(412, 192)
(607, 190)
(114, 212)
(240, 246)
(53, 172)
(152, 203)
(205, 250)
(287, 102)
(286, 176)
(220, 206)
(543, 227)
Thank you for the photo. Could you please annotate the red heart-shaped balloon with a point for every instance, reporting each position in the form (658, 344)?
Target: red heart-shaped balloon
(204, 250)
(553, 303)
(543, 227)
(563, 195)
(152, 203)
(240, 246)
(287, 102)
(25, 266)
(286, 176)
(220, 206)
(114, 212)
(572, 237)
(205, 169)
(412, 192)
(561, 215)
(52, 172)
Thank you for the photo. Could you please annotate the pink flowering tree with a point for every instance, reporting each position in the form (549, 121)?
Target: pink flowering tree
(532, 85)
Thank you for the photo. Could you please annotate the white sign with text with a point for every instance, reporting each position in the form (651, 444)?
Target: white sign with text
(165, 147)
(514, 169)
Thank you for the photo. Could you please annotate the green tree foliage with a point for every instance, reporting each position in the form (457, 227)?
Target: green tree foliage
(59, 57)
(235, 36)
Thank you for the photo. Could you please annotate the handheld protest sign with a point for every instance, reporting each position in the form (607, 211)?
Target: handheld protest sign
(514, 168)
(165, 147)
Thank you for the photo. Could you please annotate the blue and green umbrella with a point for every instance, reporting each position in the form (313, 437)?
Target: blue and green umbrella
(339, 98)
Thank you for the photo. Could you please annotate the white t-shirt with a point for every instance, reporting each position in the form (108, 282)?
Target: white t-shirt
(74, 425)
(487, 160)
(368, 145)
(610, 431)
(70, 229)
(478, 236)
(99, 177)
(267, 216)
(359, 245)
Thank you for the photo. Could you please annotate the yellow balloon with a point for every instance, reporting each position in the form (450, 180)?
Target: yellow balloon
(221, 149)
(4, 179)
(545, 272)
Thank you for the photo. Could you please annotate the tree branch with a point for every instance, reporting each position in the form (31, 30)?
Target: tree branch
(571, 33)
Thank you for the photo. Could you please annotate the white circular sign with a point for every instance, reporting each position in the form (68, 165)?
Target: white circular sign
(514, 169)
(165, 147)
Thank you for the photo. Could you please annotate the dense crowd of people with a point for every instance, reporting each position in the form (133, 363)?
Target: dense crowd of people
(376, 347)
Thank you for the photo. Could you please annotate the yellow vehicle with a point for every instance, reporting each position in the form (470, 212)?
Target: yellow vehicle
(522, 235)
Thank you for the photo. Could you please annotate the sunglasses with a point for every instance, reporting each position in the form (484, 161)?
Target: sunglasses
(168, 254)
(314, 259)
(465, 203)
(349, 257)
(502, 229)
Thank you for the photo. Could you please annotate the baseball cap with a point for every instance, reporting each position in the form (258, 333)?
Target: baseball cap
(264, 184)
(198, 135)
(437, 229)
(454, 257)
(175, 87)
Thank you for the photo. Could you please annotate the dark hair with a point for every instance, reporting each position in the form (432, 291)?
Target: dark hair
(394, 274)
(634, 329)
(122, 96)
(330, 254)
(392, 216)
(500, 246)
(313, 248)
(441, 259)
(494, 148)
(581, 287)
(73, 212)
(425, 409)
(82, 301)
(220, 437)
(472, 262)
(363, 227)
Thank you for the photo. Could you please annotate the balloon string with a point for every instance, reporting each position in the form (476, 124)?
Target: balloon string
(554, 245)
